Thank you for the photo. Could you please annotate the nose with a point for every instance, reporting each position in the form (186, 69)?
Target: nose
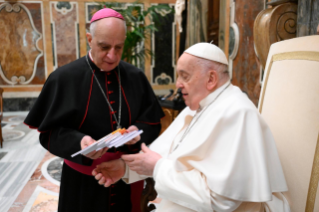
(111, 54)
(178, 83)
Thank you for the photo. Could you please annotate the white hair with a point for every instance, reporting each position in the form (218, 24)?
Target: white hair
(207, 65)
(92, 28)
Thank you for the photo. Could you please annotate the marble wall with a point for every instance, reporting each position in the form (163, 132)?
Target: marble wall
(308, 17)
(39, 36)
(21, 59)
(163, 45)
(245, 67)
(18, 104)
(65, 32)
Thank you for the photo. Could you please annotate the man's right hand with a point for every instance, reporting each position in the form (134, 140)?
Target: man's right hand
(87, 141)
(110, 172)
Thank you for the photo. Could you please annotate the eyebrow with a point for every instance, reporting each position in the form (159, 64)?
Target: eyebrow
(183, 72)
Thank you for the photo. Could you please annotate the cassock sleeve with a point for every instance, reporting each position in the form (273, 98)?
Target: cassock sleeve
(189, 189)
(131, 176)
(55, 115)
(64, 142)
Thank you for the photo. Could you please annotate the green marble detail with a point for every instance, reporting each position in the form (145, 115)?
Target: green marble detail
(64, 4)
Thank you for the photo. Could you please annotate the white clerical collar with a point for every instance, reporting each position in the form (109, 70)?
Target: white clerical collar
(212, 96)
(90, 55)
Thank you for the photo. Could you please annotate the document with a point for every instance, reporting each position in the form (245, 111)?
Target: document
(114, 139)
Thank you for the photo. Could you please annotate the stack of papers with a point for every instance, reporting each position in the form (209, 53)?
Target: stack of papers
(114, 139)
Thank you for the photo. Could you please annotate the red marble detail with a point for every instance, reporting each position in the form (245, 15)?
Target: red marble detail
(65, 26)
(246, 70)
(36, 10)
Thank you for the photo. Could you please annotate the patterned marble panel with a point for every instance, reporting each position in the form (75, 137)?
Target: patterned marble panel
(163, 45)
(21, 58)
(245, 66)
(64, 23)
(54, 169)
(12, 134)
(18, 104)
(11, 104)
(308, 17)
(196, 26)
(45, 201)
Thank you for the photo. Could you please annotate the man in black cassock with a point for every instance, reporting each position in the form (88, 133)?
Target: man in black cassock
(87, 99)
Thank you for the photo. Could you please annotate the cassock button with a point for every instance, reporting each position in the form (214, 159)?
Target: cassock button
(113, 112)
(109, 82)
(108, 73)
(112, 102)
(110, 92)
(114, 122)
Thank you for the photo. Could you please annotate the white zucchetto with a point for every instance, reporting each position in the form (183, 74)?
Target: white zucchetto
(208, 51)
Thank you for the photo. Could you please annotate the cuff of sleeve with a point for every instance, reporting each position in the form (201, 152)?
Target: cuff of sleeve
(126, 175)
(157, 167)
(131, 176)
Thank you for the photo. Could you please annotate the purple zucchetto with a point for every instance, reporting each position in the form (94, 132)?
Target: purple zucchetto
(106, 13)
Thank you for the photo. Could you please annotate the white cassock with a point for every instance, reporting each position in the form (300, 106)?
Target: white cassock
(227, 161)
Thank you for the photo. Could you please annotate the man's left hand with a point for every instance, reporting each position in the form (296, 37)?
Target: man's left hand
(143, 163)
(136, 139)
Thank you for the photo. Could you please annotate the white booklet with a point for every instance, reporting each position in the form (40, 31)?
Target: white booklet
(114, 139)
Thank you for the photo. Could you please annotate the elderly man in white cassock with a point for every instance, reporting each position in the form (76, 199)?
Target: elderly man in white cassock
(217, 155)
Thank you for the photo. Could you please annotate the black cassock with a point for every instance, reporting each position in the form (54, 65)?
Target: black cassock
(71, 105)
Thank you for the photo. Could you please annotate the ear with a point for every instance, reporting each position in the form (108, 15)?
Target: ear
(213, 78)
(89, 37)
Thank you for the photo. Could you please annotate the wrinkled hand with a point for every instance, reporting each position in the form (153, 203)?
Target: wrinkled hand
(143, 163)
(87, 141)
(110, 172)
(137, 138)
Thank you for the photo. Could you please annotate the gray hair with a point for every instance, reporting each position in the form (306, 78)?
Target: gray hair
(93, 26)
(207, 65)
